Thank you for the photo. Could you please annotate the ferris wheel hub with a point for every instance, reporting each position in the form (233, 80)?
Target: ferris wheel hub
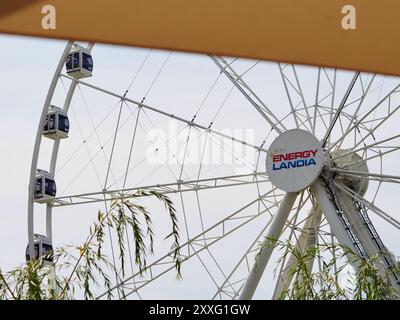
(294, 160)
(351, 161)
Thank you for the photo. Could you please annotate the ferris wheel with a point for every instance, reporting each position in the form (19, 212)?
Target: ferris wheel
(247, 150)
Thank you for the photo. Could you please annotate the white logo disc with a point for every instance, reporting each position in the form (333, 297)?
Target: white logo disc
(294, 160)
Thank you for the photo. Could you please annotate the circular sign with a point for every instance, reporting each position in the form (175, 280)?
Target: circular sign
(294, 160)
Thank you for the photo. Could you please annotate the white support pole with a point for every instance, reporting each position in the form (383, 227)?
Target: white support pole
(339, 230)
(331, 215)
(265, 253)
(306, 240)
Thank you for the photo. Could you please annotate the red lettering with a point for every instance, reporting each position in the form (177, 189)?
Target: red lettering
(276, 158)
(299, 154)
(294, 155)
(306, 154)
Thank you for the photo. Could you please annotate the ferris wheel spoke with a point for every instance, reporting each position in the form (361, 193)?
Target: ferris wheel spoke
(168, 188)
(356, 123)
(380, 123)
(321, 117)
(340, 108)
(231, 285)
(87, 137)
(213, 234)
(93, 156)
(333, 86)
(131, 147)
(248, 257)
(156, 110)
(208, 138)
(249, 94)
(377, 144)
(295, 98)
(368, 175)
(302, 99)
(356, 112)
(245, 259)
(293, 112)
(210, 274)
(370, 205)
(95, 129)
(325, 112)
(378, 154)
(113, 147)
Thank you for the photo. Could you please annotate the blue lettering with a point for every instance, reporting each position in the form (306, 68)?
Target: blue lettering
(294, 164)
(300, 163)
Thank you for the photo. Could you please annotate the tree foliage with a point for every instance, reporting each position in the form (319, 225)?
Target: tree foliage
(330, 280)
(78, 270)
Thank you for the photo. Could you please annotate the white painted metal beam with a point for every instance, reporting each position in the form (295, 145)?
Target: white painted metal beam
(265, 253)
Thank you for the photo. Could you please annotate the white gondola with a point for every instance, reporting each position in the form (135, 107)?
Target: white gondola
(57, 124)
(79, 63)
(45, 186)
(43, 248)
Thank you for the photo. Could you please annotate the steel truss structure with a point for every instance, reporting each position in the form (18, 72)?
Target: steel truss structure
(344, 118)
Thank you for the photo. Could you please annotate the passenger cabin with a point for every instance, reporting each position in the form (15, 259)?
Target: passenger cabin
(45, 187)
(56, 126)
(42, 248)
(79, 63)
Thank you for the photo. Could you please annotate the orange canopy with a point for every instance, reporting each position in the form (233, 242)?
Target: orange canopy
(298, 31)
